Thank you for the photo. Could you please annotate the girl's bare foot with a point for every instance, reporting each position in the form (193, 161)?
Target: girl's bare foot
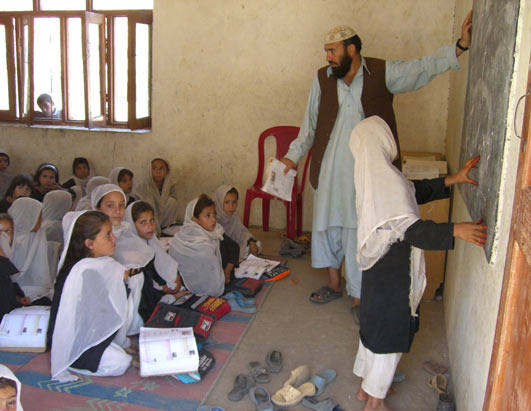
(376, 404)
(362, 395)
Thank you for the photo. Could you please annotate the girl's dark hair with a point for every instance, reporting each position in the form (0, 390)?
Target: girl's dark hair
(46, 166)
(203, 202)
(7, 382)
(18, 180)
(87, 226)
(124, 172)
(161, 159)
(140, 207)
(353, 40)
(78, 161)
(234, 191)
(6, 216)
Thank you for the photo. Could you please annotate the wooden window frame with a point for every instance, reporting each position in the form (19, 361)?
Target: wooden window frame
(15, 49)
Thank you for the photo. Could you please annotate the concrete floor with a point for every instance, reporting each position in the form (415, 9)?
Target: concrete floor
(325, 336)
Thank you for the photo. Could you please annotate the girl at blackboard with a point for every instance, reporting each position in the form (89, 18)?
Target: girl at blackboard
(391, 237)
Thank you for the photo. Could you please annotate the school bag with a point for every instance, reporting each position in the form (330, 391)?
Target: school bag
(249, 287)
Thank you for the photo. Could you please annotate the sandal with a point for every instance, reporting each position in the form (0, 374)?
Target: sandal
(324, 295)
(274, 361)
(324, 405)
(261, 399)
(259, 372)
(322, 380)
(439, 383)
(289, 396)
(299, 375)
(242, 384)
(434, 368)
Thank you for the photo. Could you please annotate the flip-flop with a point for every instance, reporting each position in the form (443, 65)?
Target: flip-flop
(261, 399)
(289, 396)
(234, 306)
(259, 372)
(299, 375)
(240, 299)
(434, 368)
(324, 405)
(439, 383)
(399, 377)
(274, 361)
(242, 384)
(324, 295)
(322, 380)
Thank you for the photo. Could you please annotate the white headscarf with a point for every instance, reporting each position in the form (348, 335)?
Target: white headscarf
(232, 225)
(131, 250)
(68, 223)
(166, 266)
(82, 182)
(113, 176)
(164, 202)
(385, 200)
(197, 251)
(30, 250)
(7, 373)
(54, 206)
(5, 176)
(84, 203)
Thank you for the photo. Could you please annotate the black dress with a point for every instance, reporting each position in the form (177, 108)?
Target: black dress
(9, 291)
(4, 205)
(150, 295)
(386, 324)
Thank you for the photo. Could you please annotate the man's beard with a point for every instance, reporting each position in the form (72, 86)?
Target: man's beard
(343, 68)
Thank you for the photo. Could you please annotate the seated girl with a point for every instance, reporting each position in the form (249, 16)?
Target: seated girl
(92, 310)
(81, 174)
(10, 388)
(30, 249)
(20, 186)
(85, 204)
(206, 256)
(391, 237)
(123, 177)
(158, 191)
(131, 250)
(11, 295)
(46, 179)
(226, 199)
(5, 175)
(54, 206)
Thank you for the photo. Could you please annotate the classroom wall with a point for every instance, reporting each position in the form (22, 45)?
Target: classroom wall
(225, 71)
(473, 285)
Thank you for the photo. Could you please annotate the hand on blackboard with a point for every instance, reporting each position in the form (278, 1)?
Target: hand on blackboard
(466, 31)
(462, 175)
(475, 233)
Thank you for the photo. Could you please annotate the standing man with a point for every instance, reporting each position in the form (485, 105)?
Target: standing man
(349, 89)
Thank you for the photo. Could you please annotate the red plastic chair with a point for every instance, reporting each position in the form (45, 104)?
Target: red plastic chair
(284, 135)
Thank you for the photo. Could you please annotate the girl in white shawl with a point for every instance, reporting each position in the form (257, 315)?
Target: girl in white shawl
(30, 249)
(84, 203)
(226, 199)
(91, 312)
(10, 389)
(159, 191)
(124, 178)
(54, 206)
(82, 172)
(196, 246)
(390, 237)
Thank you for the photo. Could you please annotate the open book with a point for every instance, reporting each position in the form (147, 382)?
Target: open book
(24, 329)
(254, 267)
(277, 183)
(167, 351)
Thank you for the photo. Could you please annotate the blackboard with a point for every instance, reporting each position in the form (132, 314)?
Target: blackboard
(490, 69)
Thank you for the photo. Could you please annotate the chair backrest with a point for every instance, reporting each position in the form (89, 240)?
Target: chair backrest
(284, 135)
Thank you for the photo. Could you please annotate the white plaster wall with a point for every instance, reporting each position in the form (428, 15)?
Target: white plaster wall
(223, 71)
(473, 286)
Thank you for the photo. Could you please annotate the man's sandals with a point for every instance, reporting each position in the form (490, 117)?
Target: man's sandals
(325, 295)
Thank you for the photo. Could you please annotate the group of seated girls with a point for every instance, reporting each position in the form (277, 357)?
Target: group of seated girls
(111, 263)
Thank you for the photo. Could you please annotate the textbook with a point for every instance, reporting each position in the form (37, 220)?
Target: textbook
(167, 351)
(24, 329)
(277, 183)
(254, 267)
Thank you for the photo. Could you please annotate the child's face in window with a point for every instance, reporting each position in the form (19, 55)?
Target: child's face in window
(230, 203)
(126, 183)
(82, 171)
(47, 179)
(8, 399)
(21, 191)
(159, 170)
(7, 227)
(145, 225)
(4, 162)
(104, 244)
(113, 205)
(207, 218)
